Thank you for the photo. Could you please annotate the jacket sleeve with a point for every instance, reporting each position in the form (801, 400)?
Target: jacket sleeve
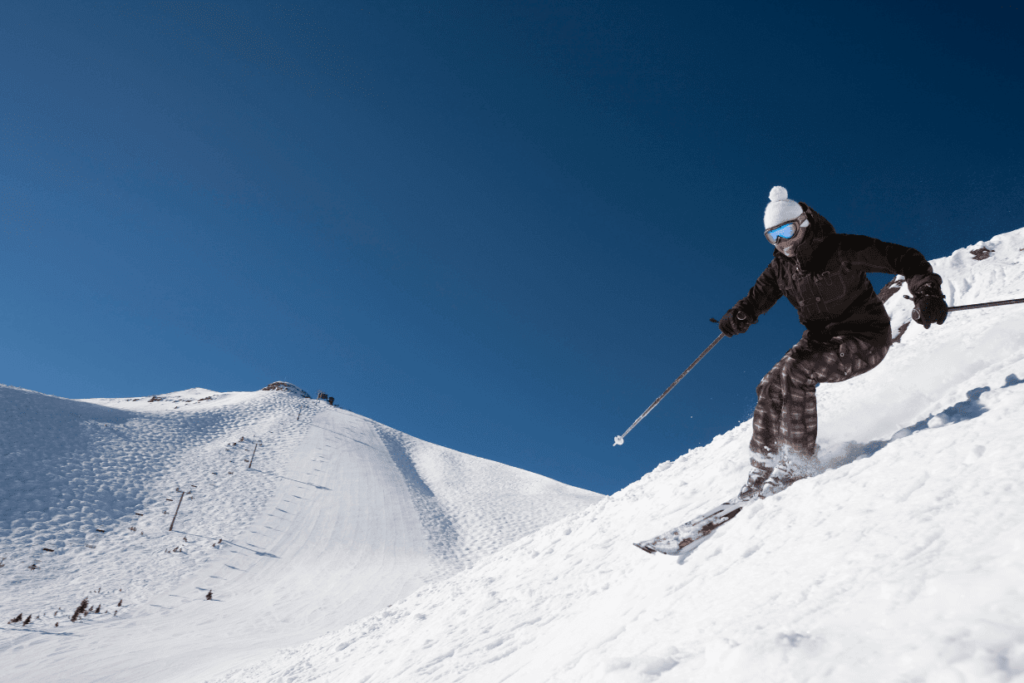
(762, 295)
(876, 256)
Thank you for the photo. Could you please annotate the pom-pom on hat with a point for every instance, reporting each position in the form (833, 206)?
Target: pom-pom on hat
(781, 208)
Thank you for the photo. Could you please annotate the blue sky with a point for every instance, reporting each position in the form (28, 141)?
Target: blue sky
(500, 227)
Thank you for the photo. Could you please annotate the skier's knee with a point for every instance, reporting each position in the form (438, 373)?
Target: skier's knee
(795, 373)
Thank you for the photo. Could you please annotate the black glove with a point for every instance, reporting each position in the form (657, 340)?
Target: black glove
(734, 322)
(930, 309)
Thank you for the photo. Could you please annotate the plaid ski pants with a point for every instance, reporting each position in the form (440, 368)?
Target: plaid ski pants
(786, 416)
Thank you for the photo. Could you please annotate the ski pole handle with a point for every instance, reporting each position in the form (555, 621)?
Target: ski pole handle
(740, 315)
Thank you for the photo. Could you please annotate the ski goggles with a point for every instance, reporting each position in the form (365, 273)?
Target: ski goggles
(786, 231)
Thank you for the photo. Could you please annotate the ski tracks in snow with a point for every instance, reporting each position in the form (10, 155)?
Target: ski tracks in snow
(441, 528)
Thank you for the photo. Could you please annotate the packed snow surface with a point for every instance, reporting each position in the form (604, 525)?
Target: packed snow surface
(295, 518)
(903, 561)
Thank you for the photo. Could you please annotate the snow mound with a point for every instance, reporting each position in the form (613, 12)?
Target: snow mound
(904, 560)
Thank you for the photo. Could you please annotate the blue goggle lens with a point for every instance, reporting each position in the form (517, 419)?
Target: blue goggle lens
(786, 231)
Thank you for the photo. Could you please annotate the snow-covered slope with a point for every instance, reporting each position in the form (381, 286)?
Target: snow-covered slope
(337, 517)
(904, 561)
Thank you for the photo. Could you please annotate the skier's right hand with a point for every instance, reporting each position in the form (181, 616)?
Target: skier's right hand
(930, 309)
(929, 303)
(734, 322)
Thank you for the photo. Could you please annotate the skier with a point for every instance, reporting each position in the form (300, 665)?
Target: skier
(823, 275)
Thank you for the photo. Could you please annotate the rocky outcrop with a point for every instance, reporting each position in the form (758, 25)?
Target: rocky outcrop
(286, 386)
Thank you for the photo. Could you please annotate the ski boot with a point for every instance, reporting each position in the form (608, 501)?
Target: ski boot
(787, 473)
(758, 476)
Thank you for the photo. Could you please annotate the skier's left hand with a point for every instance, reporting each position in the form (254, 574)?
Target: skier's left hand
(930, 309)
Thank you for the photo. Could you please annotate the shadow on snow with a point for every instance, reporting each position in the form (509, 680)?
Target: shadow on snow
(958, 412)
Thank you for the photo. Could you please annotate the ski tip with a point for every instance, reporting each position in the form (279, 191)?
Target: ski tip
(644, 548)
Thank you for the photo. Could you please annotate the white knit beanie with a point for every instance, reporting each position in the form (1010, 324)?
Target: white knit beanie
(781, 208)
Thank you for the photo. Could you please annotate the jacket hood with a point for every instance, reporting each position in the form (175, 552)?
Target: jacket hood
(818, 232)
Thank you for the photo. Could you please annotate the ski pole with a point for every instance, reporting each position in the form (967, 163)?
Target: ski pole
(619, 440)
(987, 305)
(915, 315)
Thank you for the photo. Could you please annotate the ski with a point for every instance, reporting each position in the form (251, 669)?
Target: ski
(673, 542)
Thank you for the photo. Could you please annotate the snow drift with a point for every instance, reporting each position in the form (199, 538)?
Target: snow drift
(903, 561)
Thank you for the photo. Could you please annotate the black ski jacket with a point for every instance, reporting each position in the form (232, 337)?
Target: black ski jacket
(826, 282)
